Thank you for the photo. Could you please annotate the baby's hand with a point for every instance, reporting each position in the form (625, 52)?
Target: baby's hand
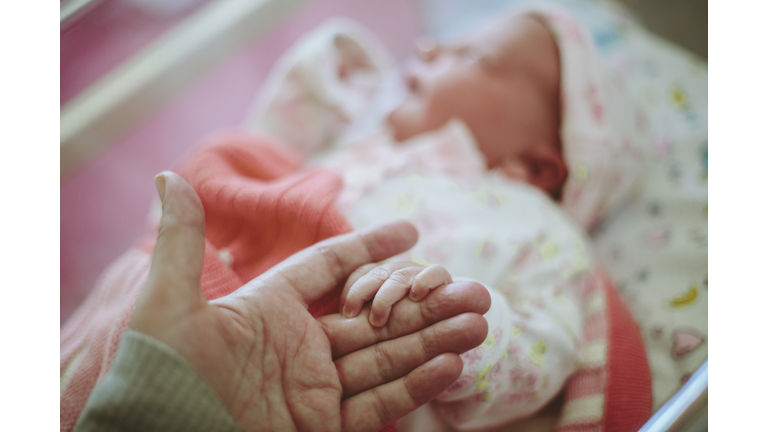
(389, 283)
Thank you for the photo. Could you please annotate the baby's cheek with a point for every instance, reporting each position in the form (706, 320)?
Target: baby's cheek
(443, 105)
(406, 120)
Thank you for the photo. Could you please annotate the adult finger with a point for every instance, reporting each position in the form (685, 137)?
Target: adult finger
(387, 361)
(351, 334)
(173, 285)
(382, 405)
(320, 268)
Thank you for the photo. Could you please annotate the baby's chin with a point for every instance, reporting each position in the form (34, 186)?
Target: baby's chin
(402, 122)
(394, 126)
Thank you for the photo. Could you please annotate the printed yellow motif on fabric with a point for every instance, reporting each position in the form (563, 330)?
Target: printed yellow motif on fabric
(479, 196)
(581, 265)
(482, 383)
(483, 374)
(500, 197)
(678, 97)
(544, 383)
(536, 353)
(489, 341)
(402, 203)
(482, 386)
(549, 250)
(581, 173)
(406, 205)
(486, 249)
(479, 248)
(686, 299)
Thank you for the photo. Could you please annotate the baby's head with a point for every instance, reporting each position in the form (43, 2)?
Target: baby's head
(503, 81)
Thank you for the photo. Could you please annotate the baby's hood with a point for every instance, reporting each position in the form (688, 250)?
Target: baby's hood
(602, 131)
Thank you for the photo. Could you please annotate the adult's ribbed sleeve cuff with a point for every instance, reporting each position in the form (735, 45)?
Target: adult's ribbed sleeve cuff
(150, 387)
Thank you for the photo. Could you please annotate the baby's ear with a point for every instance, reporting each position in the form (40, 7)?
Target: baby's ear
(542, 166)
(547, 168)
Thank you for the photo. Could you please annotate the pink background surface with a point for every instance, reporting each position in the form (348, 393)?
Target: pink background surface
(104, 206)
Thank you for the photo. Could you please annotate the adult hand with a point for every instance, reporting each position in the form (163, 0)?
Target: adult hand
(276, 367)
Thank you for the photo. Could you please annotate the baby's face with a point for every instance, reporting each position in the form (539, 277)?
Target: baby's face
(502, 81)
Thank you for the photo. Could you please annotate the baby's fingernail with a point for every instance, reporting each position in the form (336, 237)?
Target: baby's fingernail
(348, 311)
(377, 320)
(412, 296)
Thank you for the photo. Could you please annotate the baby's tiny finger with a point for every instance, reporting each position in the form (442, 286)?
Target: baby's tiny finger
(429, 279)
(366, 286)
(349, 307)
(394, 289)
(352, 307)
(356, 275)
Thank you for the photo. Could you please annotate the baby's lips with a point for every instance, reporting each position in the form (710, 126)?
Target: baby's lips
(426, 48)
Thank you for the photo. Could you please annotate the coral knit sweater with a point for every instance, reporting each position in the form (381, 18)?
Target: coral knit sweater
(260, 208)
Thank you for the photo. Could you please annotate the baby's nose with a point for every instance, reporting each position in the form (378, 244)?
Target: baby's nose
(411, 82)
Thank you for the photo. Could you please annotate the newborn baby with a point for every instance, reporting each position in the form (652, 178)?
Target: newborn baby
(503, 82)
(506, 146)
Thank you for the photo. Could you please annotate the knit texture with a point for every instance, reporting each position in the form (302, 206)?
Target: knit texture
(151, 379)
(611, 390)
(628, 396)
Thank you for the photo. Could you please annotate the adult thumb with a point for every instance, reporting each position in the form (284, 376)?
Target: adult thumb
(173, 285)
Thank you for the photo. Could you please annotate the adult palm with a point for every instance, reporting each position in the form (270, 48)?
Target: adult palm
(275, 366)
